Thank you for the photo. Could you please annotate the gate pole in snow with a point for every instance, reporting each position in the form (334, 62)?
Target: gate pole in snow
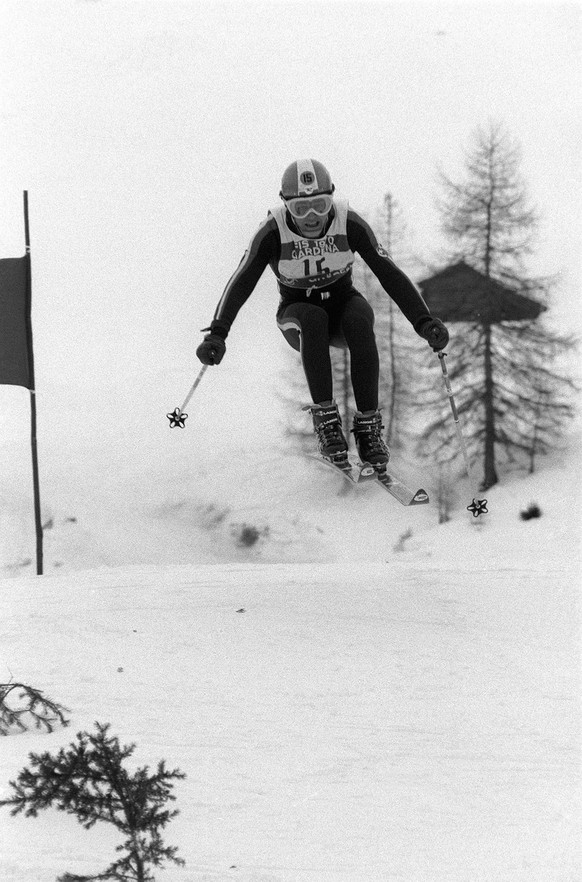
(32, 390)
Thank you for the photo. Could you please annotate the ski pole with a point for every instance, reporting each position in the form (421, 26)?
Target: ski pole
(478, 506)
(178, 416)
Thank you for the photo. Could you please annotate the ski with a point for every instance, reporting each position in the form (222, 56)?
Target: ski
(400, 491)
(347, 468)
(362, 472)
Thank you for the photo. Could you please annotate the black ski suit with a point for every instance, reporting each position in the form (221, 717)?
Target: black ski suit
(319, 306)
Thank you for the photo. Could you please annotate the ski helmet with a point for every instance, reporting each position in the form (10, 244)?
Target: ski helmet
(305, 177)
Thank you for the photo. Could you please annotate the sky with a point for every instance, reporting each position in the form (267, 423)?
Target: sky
(152, 136)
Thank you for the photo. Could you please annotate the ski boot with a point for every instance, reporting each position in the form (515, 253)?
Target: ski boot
(369, 442)
(327, 425)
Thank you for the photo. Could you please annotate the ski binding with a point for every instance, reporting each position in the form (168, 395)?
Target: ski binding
(364, 472)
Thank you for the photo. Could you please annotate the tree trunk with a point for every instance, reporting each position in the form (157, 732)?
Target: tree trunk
(389, 202)
(490, 475)
(390, 432)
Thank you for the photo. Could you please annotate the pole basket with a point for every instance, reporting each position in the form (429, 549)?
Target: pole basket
(478, 507)
(177, 418)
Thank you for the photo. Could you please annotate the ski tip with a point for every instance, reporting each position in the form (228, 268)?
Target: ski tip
(420, 498)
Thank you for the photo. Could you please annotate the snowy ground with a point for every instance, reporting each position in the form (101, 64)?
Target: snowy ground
(359, 694)
(396, 721)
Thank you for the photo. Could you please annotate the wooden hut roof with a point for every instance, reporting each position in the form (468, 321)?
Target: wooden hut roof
(460, 293)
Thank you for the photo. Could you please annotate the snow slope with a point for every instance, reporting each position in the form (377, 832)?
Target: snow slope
(354, 691)
(336, 722)
(119, 487)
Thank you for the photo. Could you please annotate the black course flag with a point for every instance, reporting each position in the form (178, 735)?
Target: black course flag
(14, 323)
(16, 356)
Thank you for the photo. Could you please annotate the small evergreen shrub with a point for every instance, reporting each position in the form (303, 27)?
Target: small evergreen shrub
(248, 535)
(533, 511)
(89, 780)
(21, 705)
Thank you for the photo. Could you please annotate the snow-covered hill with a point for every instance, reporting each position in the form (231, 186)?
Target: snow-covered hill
(354, 691)
(118, 487)
(336, 721)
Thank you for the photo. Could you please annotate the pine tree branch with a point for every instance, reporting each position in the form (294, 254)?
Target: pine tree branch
(89, 781)
(43, 712)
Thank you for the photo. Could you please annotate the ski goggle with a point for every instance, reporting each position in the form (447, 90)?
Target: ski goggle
(301, 206)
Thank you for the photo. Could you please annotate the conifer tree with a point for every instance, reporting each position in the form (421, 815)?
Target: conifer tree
(396, 344)
(21, 705)
(512, 397)
(89, 780)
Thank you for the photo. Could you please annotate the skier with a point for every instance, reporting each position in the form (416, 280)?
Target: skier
(310, 241)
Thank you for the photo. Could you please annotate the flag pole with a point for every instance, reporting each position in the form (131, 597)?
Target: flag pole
(32, 390)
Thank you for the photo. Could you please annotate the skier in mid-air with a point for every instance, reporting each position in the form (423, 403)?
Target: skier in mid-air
(310, 241)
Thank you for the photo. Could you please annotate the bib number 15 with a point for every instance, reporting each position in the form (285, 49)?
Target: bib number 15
(310, 262)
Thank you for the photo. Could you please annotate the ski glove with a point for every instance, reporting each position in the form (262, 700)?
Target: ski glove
(433, 330)
(213, 347)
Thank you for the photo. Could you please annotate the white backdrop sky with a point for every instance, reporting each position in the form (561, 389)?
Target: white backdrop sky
(152, 137)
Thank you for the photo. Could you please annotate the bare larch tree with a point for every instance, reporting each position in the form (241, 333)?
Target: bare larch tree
(512, 396)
